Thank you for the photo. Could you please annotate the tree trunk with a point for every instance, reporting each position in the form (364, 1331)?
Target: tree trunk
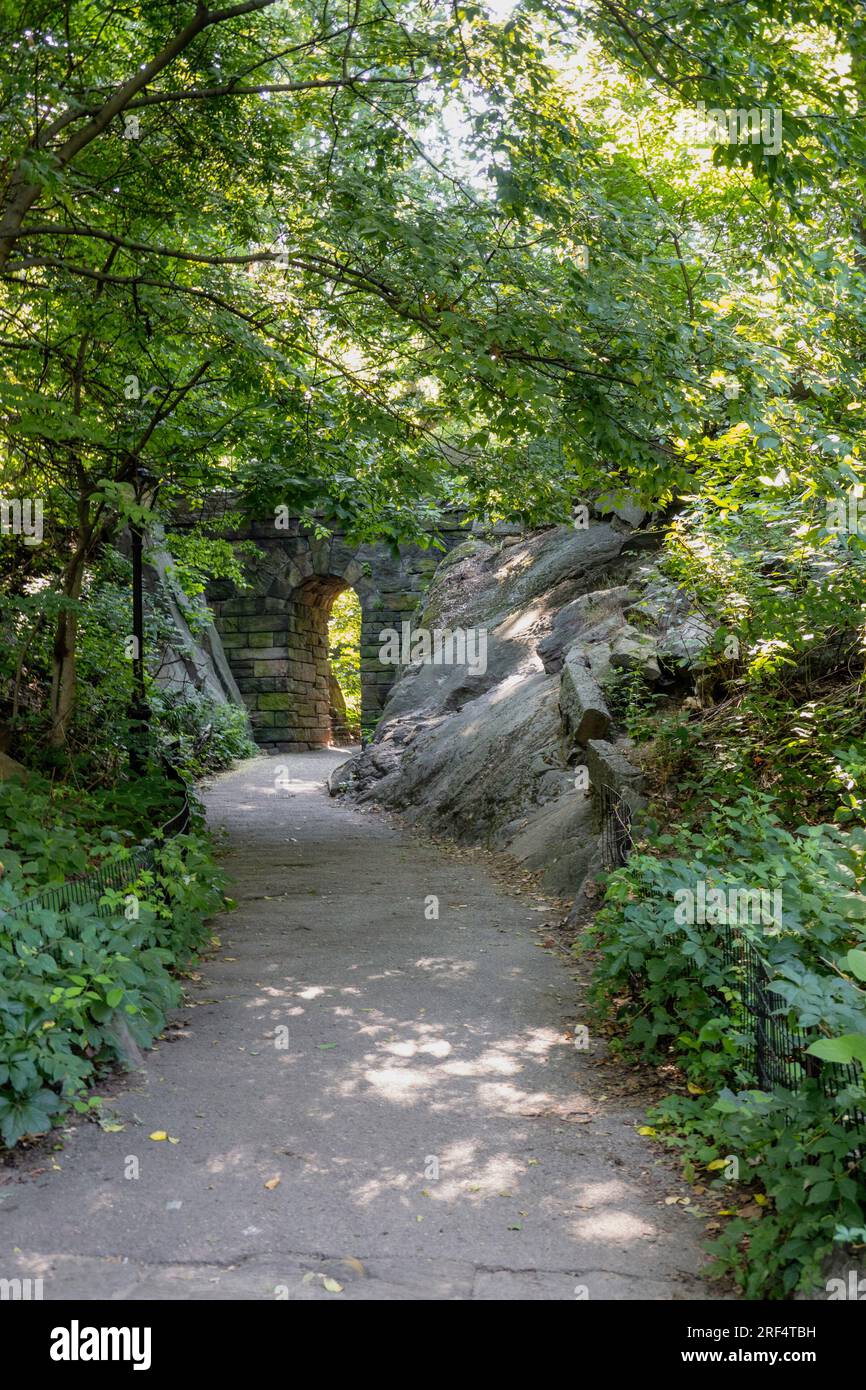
(63, 673)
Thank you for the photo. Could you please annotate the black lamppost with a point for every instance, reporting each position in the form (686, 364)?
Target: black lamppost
(139, 710)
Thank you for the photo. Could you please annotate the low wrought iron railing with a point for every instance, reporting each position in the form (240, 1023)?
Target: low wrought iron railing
(777, 1053)
(94, 887)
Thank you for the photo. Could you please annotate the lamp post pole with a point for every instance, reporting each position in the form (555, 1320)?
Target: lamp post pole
(139, 711)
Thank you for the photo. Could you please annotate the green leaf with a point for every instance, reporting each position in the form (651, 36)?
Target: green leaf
(849, 1048)
(856, 962)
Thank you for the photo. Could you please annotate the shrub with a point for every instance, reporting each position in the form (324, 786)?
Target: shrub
(198, 735)
(799, 1171)
(74, 984)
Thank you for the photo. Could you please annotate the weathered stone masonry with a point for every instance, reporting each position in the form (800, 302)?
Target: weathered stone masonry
(275, 633)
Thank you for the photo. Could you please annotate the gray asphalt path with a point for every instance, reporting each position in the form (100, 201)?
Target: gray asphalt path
(407, 1081)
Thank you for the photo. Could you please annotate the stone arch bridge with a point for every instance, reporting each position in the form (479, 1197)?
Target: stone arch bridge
(275, 632)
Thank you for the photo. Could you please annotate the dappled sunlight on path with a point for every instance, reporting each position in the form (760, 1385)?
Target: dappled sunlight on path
(359, 1091)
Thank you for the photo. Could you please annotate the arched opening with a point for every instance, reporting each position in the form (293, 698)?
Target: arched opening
(344, 658)
(290, 636)
(309, 718)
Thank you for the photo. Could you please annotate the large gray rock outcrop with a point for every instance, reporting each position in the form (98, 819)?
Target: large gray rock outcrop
(192, 657)
(585, 714)
(521, 756)
(485, 755)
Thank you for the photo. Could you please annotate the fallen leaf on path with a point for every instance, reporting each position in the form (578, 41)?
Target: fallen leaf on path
(273, 1182)
(331, 1285)
(158, 1134)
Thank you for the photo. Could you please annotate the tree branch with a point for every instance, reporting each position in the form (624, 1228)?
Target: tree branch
(21, 194)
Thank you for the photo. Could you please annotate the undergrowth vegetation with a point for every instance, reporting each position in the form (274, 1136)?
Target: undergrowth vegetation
(755, 798)
(344, 641)
(79, 984)
(369, 269)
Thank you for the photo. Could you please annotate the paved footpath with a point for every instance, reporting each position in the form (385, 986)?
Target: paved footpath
(429, 1123)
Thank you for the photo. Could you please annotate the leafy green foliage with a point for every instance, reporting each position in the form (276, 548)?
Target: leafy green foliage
(344, 641)
(372, 264)
(73, 985)
(674, 996)
(762, 791)
(197, 735)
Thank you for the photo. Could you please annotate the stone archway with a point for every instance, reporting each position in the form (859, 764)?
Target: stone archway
(275, 630)
(279, 658)
(306, 667)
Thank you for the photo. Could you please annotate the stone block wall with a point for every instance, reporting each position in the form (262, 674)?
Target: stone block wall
(275, 632)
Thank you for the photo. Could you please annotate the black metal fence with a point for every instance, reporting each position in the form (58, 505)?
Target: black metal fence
(776, 1053)
(91, 889)
(616, 819)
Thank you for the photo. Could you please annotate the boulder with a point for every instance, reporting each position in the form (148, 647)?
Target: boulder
(685, 643)
(483, 757)
(621, 505)
(558, 840)
(10, 769)
(192, 655)
(609, 768)
(633, 650)
(342, 778)
(584, 712)
(588, 617)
